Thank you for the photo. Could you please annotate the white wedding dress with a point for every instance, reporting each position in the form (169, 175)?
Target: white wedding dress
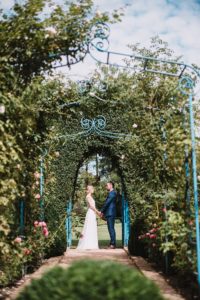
(89, 239)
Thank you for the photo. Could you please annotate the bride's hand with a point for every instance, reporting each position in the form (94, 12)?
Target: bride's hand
(100, 215)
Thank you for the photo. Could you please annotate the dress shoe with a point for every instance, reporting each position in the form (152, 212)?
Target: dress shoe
(111, 247)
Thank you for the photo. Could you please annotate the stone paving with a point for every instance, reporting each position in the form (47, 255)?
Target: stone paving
(145, 268)
(118, 255)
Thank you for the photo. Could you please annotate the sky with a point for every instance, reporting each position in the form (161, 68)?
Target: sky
(175, 21)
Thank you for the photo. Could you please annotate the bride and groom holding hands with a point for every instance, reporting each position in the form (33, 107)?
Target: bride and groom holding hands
(89, 236)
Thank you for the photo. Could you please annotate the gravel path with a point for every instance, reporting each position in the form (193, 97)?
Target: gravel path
(118, 255)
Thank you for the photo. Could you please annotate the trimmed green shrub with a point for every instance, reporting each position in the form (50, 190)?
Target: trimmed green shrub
(92, 280)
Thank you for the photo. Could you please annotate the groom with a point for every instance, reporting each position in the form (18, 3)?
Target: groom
(109, 212)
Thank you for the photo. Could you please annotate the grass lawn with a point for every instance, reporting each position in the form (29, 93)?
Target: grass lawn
(103, 234)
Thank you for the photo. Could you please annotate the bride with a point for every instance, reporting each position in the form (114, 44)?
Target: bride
(89, 238)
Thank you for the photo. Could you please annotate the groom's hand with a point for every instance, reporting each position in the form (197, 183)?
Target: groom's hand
(102, 216)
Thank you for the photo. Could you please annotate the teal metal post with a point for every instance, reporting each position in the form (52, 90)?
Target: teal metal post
(21, 224)
(68, 224)
(123, 225)
(195, 187)
(125, 221)
(187, 174)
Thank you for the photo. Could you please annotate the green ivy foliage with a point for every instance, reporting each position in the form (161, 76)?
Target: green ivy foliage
(152, 168)
(33, 35)
(142, 104)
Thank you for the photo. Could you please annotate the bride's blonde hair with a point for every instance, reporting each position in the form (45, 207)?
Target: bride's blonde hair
(90, 188)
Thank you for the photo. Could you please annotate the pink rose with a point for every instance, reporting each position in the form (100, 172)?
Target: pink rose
(45, 232)
(18, 240)
(152, 236)
(37, 196)
(40, 224)
(27, 251)
(36, 223)
(44, 224)
(147, 234)
(37, 175)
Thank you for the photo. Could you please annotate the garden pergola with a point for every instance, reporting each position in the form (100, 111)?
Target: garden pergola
(187, 76)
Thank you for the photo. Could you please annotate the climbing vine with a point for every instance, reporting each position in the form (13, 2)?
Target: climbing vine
(41, 115)
(32, 41)
(152, 169)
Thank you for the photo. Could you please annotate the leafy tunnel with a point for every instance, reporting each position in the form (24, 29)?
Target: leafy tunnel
(142, 131)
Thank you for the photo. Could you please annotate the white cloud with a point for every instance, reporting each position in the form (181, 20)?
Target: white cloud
(6, 5)
(176, 22)
(147, 18)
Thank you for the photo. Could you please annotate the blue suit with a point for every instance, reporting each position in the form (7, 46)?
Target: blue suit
(109, 211)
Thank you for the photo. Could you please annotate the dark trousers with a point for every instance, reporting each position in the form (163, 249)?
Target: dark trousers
(111, 230)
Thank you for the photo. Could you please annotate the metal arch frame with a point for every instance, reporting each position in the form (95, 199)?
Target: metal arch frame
(184, 72)
(145, 59)
(98, 43)
(93, 126)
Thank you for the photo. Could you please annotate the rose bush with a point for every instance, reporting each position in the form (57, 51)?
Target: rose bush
(143, 105)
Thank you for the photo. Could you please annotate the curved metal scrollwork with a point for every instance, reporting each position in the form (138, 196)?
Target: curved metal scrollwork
(95, 126)
(186, 85)
(98, 42)
(99, 36)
